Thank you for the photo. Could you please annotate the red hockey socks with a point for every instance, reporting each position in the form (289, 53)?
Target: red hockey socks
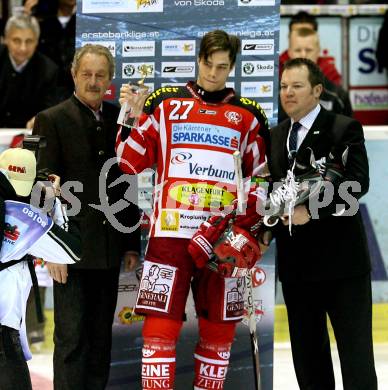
(158, 362)
(212, 354)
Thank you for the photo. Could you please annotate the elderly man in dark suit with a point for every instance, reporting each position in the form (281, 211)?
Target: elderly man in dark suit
(324, 265)
(80, 136)
(27, 77)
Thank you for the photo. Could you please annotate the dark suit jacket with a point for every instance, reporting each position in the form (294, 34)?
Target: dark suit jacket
(77, 147)
(331, 247)
(24, 94)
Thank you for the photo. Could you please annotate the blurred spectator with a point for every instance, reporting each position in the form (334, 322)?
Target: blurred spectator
(381, 50)
(57, 41)
(27, 77)
(305, 20)
(40, 8)
(304, 43)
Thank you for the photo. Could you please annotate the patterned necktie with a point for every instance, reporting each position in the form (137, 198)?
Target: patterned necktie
(293, 137)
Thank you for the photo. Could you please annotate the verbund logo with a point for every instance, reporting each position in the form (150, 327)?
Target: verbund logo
(181, 158)
(188, 162)
(198, 169)
(110, 93)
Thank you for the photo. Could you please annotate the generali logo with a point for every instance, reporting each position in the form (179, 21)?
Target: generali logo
(15, 168)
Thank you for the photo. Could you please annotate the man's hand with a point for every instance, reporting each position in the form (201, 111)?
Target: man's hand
(56, 181)
(28, 5)
(131, 260)
(264, 238)
(300, 216)
(58, 272)
(30, 123)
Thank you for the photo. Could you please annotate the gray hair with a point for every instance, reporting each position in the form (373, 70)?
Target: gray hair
(22, 22)
(93, 49)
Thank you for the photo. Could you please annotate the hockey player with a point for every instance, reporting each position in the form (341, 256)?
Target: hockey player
(190, 133)
(24, 230)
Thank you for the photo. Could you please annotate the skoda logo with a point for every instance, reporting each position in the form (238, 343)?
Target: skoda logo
(129, 70)
(248, 68)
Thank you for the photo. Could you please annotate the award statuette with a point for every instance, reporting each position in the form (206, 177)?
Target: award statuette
(129, 116)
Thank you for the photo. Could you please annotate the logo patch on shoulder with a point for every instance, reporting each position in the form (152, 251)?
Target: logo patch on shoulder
(207, 112)
(233, 117)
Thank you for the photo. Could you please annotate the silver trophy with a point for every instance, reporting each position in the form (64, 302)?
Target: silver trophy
(129, 117)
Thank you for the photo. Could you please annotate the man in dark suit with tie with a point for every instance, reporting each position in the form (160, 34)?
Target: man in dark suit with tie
(324, 265)
(27, 77)
(81, 134)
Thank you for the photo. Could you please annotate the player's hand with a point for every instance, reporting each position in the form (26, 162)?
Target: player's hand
(131, 260)
(201, 244)
(134, 98)
(58, 272)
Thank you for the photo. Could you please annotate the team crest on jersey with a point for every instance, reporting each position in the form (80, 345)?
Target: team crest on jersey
(148, 352)
(224, 355)
(233, 117)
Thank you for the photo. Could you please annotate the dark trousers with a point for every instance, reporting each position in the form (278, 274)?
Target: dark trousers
(348, 303)
(14, 374)
(83, 313)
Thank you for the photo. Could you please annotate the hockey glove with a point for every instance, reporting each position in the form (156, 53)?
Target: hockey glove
(202, 243)
(236, 253)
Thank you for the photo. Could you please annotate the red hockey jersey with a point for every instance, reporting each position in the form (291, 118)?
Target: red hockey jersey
(190, 143)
